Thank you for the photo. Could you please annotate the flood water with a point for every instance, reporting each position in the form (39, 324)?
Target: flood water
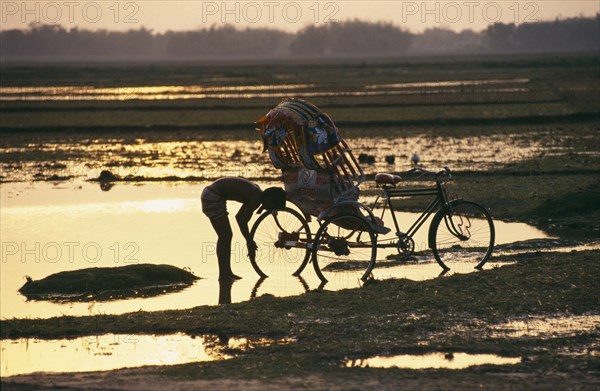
(432, 360)
(113, 351)
(91, 93)
(211, 159)
(548, 326)
(48, 228)
(67, 223)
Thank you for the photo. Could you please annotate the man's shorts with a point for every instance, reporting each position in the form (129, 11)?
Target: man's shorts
(213, 204)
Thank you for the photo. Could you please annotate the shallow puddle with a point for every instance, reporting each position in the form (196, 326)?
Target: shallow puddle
(113, 351)
(432, 360)
(548, 326)
(46, 229)
(427, 269)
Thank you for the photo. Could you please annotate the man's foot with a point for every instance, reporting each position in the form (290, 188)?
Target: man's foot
(229, 277)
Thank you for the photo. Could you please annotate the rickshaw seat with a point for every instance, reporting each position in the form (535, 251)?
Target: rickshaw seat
(387, 179)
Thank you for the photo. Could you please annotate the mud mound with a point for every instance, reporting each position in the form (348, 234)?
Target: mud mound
(94, 283)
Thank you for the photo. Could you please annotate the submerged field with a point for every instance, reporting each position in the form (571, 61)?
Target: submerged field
(520, 133)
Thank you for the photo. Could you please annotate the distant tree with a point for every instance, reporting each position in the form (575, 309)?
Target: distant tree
(227, 41)
(573, 34)
(353, 38)
(347, 39)
(441, 40)
(500, 37)
(311, 41)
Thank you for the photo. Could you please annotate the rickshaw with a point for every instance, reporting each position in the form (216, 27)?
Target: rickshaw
(321, 177)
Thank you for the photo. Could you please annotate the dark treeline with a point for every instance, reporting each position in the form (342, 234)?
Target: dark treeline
(347, 39)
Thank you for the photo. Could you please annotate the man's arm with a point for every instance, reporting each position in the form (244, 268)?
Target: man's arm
(243, 217)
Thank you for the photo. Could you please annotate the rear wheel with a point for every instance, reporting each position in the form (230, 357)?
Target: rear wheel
(344, 251)
(282, 238)
(462, 235)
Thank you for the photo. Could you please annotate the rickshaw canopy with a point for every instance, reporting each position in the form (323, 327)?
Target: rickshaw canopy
(318, 166)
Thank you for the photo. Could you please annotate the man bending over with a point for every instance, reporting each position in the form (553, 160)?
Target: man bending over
(214, 199)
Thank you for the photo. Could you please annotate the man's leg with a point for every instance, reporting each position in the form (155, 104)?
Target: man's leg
(223, 229)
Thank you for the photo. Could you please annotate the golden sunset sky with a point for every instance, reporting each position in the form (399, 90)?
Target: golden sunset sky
(291, 16)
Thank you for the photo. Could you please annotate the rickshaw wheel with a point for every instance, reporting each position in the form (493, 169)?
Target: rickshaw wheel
(282, 238)
(344, 251)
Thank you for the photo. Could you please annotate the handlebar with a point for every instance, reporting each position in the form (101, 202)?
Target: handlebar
(445, 171)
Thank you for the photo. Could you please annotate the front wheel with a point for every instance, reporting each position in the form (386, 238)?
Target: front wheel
(282, 238)
(344, 251)
(462, 235)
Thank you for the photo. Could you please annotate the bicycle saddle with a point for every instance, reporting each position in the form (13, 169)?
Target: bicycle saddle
(384, 178)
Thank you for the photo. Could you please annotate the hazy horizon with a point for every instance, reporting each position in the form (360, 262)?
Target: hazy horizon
(289, 16)
(351, 39)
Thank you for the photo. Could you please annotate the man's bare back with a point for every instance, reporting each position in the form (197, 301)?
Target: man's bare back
(238, 189)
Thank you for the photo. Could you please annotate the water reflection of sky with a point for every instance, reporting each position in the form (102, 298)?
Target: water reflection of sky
(46, 229)
(155, 93)
(112, 351)
(432, 360)
(547, 327)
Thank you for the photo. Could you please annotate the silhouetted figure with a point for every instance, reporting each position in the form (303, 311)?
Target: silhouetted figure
(214, 205)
